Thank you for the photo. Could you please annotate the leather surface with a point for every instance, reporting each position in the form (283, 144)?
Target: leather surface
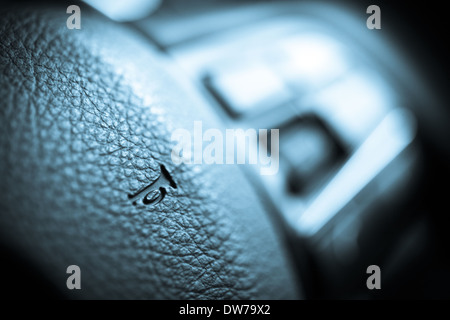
(86, 118)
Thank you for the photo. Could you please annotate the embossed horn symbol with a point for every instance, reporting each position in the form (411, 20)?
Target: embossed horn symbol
(156, 191)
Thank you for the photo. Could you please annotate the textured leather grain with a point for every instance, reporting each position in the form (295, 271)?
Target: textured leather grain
(86, 118)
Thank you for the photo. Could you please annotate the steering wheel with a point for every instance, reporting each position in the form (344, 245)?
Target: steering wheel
(87, 176)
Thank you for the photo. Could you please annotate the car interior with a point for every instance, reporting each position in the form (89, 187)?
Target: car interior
(88, 176)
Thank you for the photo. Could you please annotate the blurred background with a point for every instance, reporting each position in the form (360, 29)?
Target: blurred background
(363, 127)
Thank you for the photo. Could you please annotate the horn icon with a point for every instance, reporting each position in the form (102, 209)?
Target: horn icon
(155, 192)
